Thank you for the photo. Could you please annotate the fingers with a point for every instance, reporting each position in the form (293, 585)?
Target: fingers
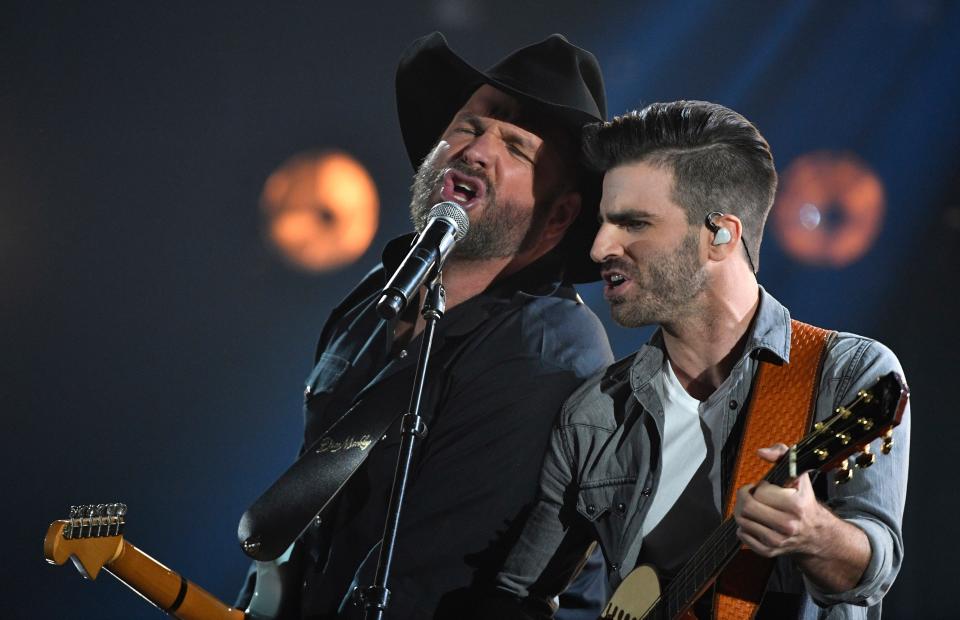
(785, 499)
(756, 510)
(743, 494)
(757, 546)
(773, 453)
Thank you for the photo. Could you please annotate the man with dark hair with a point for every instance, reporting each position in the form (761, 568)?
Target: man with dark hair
(644, 452)
(514, 342)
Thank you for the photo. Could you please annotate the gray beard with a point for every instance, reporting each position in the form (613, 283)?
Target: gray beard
(667, 290)
(501, 232)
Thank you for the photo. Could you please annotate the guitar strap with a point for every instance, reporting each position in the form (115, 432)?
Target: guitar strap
(781, 411)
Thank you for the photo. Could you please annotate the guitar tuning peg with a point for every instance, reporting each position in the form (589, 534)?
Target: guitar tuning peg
(887, 444)
(866, 458)
(99, 518)
(844, 474)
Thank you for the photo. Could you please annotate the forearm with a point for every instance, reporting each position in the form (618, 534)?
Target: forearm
(841, 554)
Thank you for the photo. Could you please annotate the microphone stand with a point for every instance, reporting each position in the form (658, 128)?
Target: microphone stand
(377, 597)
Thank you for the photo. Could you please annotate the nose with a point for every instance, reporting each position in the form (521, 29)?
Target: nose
(481, 151)
(605, 244)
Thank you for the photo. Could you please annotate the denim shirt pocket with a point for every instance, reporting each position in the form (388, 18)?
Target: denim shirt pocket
(325, 375)
(605, 505)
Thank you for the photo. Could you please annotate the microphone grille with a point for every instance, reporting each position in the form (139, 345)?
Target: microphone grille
(455, 213)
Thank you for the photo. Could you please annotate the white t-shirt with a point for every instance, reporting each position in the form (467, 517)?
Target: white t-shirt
(684, 446)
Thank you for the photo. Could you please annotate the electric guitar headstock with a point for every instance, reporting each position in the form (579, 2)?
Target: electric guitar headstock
(92, 537)
(851, 428)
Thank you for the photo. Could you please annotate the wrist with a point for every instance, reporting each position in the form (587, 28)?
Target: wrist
(820, 536)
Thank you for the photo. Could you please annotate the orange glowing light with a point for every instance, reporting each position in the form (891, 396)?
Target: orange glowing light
(829, 209)
(322, 210)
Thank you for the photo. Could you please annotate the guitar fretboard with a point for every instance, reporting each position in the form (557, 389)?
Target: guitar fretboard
(712, 556)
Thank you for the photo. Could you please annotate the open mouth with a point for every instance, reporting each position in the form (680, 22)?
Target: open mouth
(613, 279)
(461, 188)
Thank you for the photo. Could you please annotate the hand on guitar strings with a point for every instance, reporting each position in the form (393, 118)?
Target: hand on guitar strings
(774, 520)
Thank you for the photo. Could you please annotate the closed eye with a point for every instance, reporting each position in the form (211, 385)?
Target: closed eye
(519, 152)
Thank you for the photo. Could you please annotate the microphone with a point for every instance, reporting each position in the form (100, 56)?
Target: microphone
(447, 224)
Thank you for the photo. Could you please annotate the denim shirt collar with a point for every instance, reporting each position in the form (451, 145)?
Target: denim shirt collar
(769, 334)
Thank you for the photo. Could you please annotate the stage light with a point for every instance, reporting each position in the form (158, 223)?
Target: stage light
(829, 209)
(322, 210)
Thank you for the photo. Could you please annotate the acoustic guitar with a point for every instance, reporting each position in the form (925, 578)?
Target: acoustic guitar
(872, 414)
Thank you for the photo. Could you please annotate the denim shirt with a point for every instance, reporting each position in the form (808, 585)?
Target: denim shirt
(601, 471)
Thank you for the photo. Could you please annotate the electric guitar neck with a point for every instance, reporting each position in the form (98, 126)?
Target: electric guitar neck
(93, 538)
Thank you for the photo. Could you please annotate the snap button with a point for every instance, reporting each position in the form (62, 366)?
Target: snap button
(403, 354)
(646, 492)
(734, 404)
(591, 509)
(614, 566)
(621, 508)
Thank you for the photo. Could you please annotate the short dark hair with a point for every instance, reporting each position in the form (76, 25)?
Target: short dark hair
(718, 158)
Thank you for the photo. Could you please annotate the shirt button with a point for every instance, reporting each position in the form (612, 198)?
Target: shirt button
(591, 509)
(734, 404)
(614, 566)
(646, 492)
(621, 508)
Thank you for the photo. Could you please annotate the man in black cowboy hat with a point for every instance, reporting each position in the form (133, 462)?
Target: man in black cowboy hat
(514, 342)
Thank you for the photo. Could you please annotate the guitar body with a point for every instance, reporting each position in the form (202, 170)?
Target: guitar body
(637, 597)
(274, 595)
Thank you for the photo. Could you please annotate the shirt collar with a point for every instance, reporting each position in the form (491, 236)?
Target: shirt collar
(770, 330)
(769, 333)
(542, 278)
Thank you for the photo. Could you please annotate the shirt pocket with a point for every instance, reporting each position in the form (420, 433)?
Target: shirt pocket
(605, 505)
(325, 375)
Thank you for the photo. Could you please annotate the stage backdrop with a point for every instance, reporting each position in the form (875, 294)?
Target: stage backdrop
(159, 311)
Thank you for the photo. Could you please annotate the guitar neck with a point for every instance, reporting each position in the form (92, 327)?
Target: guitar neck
(166, 589)
(703, 568)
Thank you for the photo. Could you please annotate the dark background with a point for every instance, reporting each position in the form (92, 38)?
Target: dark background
(154, 345)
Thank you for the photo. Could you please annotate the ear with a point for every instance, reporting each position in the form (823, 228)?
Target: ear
(563, 212)
(719, 247)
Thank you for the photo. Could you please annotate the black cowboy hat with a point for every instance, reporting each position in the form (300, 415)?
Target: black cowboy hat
(554, 77)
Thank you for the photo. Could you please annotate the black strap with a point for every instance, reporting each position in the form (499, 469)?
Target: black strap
(182, 594)
(287, 508)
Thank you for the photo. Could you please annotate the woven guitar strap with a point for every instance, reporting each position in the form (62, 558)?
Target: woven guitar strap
(781, 410)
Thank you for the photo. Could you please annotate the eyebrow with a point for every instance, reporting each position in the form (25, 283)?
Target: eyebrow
(625, 216)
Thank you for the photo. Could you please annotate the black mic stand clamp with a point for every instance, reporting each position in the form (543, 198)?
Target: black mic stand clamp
(377, 597)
